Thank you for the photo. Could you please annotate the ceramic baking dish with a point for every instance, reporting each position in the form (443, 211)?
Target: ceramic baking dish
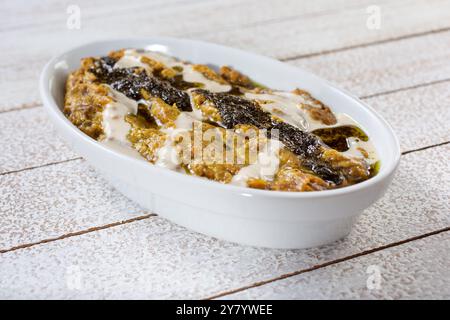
(249, 216)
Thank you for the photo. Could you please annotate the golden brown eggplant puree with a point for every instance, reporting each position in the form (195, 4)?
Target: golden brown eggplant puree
(219, 125)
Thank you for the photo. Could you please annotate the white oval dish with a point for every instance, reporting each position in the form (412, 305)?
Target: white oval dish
(249, 216)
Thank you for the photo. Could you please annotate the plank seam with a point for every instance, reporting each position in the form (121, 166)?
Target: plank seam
(416, 86)
(77, 233)
(326, 264)
(365, 45)
(40, 166)
(23, 106)
(425, 148)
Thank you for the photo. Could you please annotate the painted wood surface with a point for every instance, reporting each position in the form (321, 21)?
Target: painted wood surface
(65, 233)
(153, 258)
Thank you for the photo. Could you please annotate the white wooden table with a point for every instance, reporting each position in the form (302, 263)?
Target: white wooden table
(64, 233)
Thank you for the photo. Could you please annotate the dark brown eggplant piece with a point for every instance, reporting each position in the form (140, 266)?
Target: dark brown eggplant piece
(131, 81)
(336, 137)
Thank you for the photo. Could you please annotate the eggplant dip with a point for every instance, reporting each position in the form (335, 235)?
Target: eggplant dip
(216, 124)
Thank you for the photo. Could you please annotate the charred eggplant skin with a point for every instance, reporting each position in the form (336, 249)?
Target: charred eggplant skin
(131, 81)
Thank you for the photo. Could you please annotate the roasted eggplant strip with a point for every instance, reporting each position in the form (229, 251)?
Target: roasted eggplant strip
(131, 82)
(235, 110)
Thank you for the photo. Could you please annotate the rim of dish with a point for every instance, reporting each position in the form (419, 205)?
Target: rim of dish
(51, 105)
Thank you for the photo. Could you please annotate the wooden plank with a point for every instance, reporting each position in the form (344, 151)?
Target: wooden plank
(36, 144)
(336, 28)
(216, 14)
(419, 116)
(153, 258)
(25, 14)
(416, 270)
(55, 200)
(385, 67)
(291, 29)
(27, 140)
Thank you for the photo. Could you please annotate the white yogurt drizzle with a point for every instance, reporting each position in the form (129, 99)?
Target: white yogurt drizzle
(284, 105)
(265, 166)
(354, 150)
(114, 125)
(154, 55)
(130, 61)
(167, 155)
(132, 58)
(190, 75)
